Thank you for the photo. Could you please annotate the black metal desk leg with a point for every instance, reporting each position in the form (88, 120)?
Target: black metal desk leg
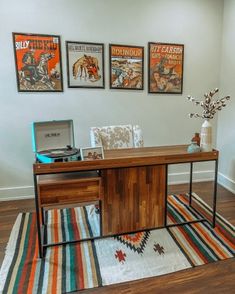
(190, 183)
(40, 247)
(166, 194)
(215, 194)
(42, 216)
(101, 210)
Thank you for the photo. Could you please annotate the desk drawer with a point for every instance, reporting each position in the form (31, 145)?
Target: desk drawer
(75, 191)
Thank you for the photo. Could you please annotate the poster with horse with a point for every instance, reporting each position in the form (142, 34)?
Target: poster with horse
(38, 62)
(165, 69)
(85, 64)
(126, 67)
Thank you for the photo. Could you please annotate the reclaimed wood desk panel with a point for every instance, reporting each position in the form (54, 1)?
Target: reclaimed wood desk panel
(133, 199)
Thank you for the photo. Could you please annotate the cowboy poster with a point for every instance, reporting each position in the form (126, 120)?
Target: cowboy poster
(38, 62)
(126, 67)
(85, 65)
(166, 68)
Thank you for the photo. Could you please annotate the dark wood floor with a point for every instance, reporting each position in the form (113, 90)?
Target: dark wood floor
(218, 277)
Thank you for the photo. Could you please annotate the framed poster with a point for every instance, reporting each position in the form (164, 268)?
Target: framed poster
(165, 68)
(126, 67)
(38, 62)
(85, 64)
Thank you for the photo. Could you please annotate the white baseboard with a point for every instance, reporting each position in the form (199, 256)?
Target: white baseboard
(184, 177)
(16, 193)
(226, 182)
(27, 192)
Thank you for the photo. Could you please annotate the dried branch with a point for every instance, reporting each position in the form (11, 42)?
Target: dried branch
(209, 106)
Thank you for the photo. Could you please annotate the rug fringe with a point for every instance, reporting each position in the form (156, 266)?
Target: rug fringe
(9, 251)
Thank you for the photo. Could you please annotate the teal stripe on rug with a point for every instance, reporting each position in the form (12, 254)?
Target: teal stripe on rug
(198, 242)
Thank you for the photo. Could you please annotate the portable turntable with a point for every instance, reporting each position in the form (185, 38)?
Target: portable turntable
(53, 141)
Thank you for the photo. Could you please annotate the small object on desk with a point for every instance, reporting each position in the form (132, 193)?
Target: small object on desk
(206, 136)
(92, 153)
(53, 141)
(210, 106)
(193, 147)
(196, 138)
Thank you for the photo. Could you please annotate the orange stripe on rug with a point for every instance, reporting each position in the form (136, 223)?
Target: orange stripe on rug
(211, 241)
(192, 248)
(207, 237)
(187, 215)
(33, 269)
(224, 237)
(55, 259)
(29, 253)
(189, 240)
(80, 274)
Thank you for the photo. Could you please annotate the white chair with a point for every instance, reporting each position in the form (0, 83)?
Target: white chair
(114, 137)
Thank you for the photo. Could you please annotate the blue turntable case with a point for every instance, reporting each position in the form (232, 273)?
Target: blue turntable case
(53, 141)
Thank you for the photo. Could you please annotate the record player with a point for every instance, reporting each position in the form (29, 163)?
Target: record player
(53, 141)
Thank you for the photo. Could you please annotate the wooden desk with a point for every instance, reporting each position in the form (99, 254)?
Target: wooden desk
(133, 184)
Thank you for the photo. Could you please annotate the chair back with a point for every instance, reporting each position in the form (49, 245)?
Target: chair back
(114, 137)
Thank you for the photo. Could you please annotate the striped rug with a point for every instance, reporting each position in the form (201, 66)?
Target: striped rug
(109, 260)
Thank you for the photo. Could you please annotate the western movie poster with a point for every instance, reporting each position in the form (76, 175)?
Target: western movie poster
(85, 65)
(38, 63)
(126, 67)
(165, 68)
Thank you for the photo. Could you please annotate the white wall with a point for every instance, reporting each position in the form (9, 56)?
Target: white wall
(163, 118)
(226, 119)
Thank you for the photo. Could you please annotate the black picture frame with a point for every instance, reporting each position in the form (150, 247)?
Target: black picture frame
(126, 67)
(165, 68)
(38, 62)
(85, 64)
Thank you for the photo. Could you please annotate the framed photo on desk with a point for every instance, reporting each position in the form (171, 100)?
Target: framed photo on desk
(92, 153)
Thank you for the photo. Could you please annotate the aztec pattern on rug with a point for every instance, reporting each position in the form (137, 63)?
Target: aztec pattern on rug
(110, 260)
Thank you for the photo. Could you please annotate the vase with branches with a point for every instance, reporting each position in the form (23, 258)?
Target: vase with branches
(210, 106)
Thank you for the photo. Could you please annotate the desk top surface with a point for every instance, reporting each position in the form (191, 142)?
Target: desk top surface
(129, 157)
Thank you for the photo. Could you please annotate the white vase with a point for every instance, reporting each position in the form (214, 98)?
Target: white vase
(206, 136)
